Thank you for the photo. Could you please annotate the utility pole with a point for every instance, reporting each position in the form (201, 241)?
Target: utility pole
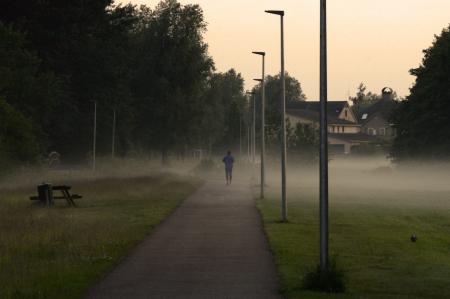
(283, 119)
(323, 139)
(253, 127)
(95, 136)
(113, 134)
(263, 121)
(254, 130)
(240, 137)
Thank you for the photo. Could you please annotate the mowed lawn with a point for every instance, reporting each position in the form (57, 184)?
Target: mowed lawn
(370, 233)
(59, 252)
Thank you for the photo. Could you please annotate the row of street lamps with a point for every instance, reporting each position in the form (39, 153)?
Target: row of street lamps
(323, 131)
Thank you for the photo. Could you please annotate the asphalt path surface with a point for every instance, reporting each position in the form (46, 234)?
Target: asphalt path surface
(212, 246)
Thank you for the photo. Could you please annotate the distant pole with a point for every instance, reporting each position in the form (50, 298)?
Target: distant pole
(283, 120)
(254, 130)
(253, 126)
(95, 136)
(323, 139)
(113, 134)
(263, 122)
(240, 137)
(248, 142)
(263, 126)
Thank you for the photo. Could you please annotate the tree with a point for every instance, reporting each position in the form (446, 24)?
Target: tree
(302, 141)
(85, 46)
(294, 93)
(18, 142)
(362, 99)
(224, 107)
(423, 129)
(172, 75)
(23, 84)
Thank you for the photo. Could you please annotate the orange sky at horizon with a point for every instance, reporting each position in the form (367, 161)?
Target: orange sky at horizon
(375, 42)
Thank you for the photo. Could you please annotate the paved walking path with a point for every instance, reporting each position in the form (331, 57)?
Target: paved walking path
(213, 246)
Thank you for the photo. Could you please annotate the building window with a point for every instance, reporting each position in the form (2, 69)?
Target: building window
(382, 131)
(343, 129)
(346, 113)
(371, 131)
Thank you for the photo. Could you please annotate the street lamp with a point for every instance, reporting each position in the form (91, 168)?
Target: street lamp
(263, 142)
(253, 132)
(323, 139)
(283, 119)
(94, 141)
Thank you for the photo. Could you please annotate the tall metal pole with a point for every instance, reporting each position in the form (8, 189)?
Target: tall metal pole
(323, 139)
(263, 126)
(283, 129)
(248, 142)
(263, 121)
(283, 119)
(95, 136)
(254, 130)
(240, 137)
(113, 134)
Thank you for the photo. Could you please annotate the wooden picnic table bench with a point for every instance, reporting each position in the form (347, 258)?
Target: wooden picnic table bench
(45, 194)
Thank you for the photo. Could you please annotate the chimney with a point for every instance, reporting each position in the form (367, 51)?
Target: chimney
(388, 94)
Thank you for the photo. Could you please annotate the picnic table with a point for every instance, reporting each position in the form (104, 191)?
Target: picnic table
(45, 194)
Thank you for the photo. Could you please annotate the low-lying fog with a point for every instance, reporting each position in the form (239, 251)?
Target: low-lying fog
(350, 179)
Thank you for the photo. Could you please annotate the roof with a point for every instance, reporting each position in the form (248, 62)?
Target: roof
(334, 108)
(382, 106)
(349, 137)
(310, 110)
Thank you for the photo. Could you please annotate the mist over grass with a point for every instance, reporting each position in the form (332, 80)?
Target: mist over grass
(375, 207)
(58, 252)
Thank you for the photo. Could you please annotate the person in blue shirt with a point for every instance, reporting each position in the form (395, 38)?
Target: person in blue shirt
(228, 160)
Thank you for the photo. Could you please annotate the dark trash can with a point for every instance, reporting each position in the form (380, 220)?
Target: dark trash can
(45, 194)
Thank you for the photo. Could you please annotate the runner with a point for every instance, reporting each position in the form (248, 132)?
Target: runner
(228, 160)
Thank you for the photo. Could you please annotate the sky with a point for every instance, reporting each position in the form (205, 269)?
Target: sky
(375, 42)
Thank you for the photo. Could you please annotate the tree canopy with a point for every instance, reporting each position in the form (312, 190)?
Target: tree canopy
(149, 65)
(294, 93)
(423, 129)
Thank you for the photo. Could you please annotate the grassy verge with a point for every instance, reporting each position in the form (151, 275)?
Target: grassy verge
(370, 238)
(59, 252)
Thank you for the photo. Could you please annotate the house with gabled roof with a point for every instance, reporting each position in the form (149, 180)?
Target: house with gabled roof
(344, 131)
(374, 119)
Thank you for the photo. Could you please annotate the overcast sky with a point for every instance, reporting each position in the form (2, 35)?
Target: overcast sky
(375, 42)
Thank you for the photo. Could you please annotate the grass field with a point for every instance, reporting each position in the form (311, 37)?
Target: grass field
(59, 252)
(370, 229)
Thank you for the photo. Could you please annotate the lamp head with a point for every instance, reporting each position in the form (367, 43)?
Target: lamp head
(259, 80)
(259, 53)
(276, 12)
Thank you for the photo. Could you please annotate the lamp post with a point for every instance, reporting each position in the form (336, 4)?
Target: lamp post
(283, 119)
(94, 143)
(263, 142)
(253, 130)
(323, 139)
(113, 149)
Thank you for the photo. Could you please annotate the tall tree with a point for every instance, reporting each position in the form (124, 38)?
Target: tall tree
(224, 107)
(173, 73)
(363, 99)
(422, 120)
(294, 93)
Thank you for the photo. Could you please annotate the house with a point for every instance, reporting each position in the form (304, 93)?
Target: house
(374, 119)
(344, 131)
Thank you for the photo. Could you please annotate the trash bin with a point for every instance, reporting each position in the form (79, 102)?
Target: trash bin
(45, 194)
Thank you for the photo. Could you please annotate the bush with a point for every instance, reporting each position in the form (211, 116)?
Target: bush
(18, 142)
(332, 280)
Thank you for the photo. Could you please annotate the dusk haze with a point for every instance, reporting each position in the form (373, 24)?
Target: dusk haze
(206, 149)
